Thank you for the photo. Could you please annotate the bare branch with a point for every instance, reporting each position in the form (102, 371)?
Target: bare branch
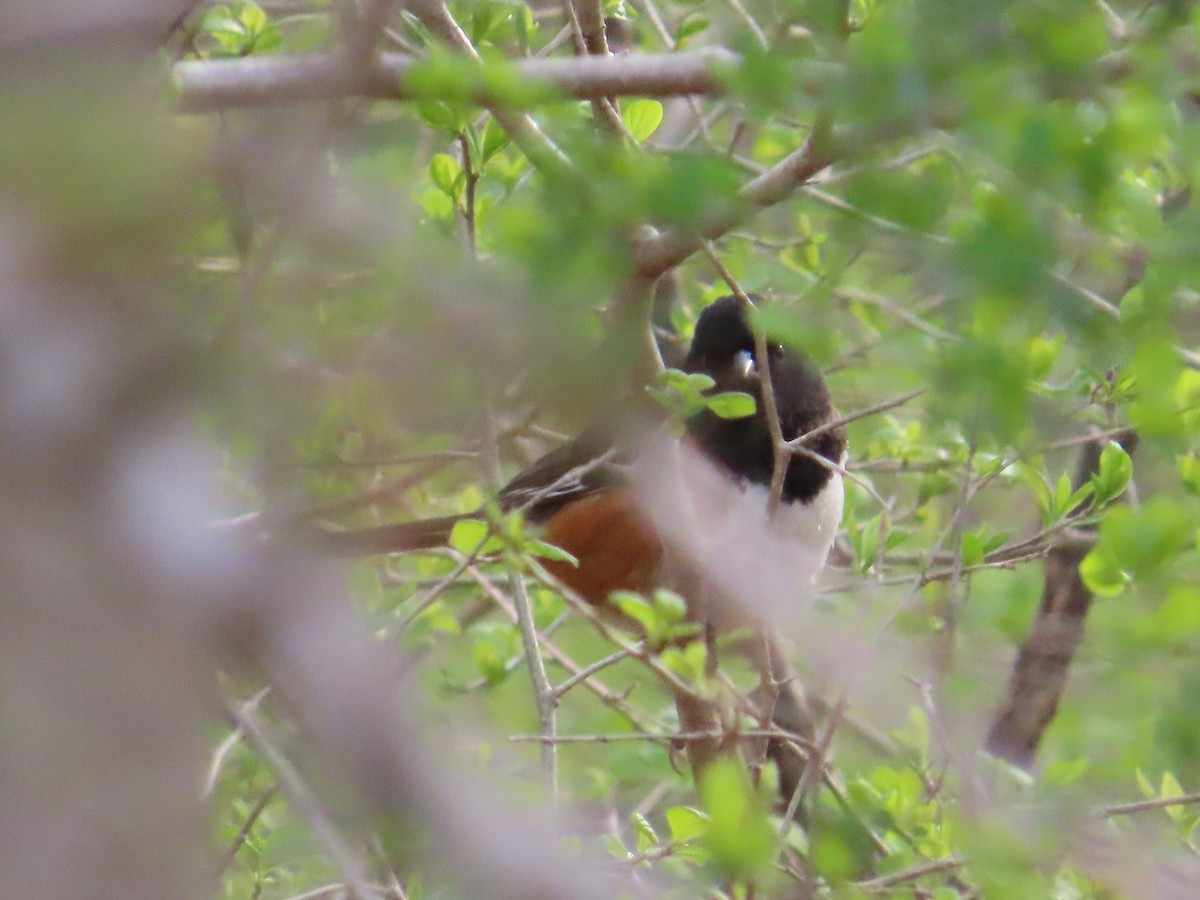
(207, 85)
(655, 255)
(1125, 809)
(885, 883)
(1040, 673)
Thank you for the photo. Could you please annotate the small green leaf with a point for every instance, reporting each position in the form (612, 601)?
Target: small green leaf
(670, 605)
(253, 17)
(444, 171)
(692, 24)
(544, 550)
(1101, 575)
(267, 40)
(1036, 480)
(1042, 354)
(468, 535)
(645, 833)
(642, 118)
(1170, 789)
(635, 607)
(495, 139)
(1062, 496)
(972, 549)
(686, 824)
(1113, 475)
(731, 404)
(689, 662)
(739, 831)
(490, 660)
(1189, 473)
(440, 115)
(1144, 785)
(224, 25)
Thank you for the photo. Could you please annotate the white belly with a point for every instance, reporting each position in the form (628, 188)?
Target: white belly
(723, 531)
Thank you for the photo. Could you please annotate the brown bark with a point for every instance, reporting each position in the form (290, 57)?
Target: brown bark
(1040, 672)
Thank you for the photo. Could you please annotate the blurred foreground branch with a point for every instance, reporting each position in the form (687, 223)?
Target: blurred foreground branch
(206, 85)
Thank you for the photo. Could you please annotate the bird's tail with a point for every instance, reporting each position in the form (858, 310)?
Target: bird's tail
(422, 534)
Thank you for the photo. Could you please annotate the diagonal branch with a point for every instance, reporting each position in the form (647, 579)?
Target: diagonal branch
(656, 254)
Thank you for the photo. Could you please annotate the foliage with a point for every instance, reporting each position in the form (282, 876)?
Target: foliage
(1007, 221)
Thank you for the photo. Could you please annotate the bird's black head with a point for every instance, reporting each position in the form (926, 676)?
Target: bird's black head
(722, 332)
(723, 348)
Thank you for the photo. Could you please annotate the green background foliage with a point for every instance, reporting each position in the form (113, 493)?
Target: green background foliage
(395, 308)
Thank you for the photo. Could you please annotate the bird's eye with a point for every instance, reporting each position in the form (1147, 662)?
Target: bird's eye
(743, 362)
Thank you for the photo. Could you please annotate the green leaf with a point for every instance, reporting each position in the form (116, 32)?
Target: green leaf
(1143, 541)
(972, 549)
(644, 832)
(495, 139)
(686, 824)
(1036, 480)
(1113, 474)
(635, 607)
(441, 116)
(544, 550)
(1144, 784)
(680, 392)
(1189, 473)
(731, 404)
(444, 171)
(468, 535)
(267, 40)
(1062, 496)
(224, 25)
(691, 24)
(739, 834)
(1101, 575)
(670, 605)
(253, 17)
(642, 117)
(490, 659)
(1042, 354)
(689, 662)
(1170, 789)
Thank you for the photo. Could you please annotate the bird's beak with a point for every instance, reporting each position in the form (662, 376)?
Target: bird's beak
(743, 362)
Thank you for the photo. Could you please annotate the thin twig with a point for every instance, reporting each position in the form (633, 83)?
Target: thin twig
(431, 596)
(226, 746)
(244, 832)
(760, 36)
(681, 736)
(471, 178)
(589, 671)
(606, 695)
(1125, 809)
(305, 803)
(886, 882)
(826, 427)
(780, 455)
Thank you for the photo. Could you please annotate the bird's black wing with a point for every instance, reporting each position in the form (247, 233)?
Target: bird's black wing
(568, 473)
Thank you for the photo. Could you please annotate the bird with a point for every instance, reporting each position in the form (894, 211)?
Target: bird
(589, 500)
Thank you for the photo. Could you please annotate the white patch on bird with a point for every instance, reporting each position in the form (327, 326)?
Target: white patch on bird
(752, 560)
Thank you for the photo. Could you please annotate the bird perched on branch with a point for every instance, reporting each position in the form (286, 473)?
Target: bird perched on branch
(696, 516)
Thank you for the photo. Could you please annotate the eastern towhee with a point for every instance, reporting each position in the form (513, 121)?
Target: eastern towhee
(583, 497)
